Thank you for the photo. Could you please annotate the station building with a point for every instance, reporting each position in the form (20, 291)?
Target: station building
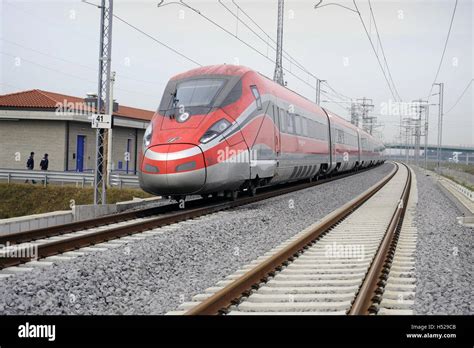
(59, 125)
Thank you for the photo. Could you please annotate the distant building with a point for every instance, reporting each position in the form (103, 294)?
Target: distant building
(58, 124)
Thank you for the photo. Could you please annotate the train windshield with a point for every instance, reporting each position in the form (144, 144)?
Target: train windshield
(197, 92)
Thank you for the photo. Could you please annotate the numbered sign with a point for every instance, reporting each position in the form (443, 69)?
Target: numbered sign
(101, 121)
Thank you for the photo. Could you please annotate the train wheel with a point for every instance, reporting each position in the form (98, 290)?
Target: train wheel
(232, 195)
(252, 190)
(178, 198)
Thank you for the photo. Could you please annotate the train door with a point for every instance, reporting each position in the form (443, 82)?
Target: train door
(331, 143)
(359, 152)
(80, 145)
(277, 137)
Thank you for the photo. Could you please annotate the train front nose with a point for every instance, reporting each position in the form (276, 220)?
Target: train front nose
(173, 169)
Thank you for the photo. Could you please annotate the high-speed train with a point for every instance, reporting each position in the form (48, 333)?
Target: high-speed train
(225, 129)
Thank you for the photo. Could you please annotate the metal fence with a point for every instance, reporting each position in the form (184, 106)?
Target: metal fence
(121, 180)
(81, 179)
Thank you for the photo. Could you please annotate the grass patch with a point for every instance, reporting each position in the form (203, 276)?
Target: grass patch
(462, 183)
(460, 167)
(27, 199)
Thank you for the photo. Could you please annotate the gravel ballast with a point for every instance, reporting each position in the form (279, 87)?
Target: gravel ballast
(155, 275)
(444, 257)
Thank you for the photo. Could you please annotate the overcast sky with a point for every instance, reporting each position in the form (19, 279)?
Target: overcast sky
(53, 45)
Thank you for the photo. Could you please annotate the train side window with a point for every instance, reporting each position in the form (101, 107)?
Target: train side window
(256, 95)
(322, 131)
(339, 136)
(282, 120)
(298, 124)
(311, 129)
(291, 122)
(305, 126)
(364, 143)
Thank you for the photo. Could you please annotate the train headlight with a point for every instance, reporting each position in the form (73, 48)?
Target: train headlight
(182, 117)
(148, 134)
(216, 129)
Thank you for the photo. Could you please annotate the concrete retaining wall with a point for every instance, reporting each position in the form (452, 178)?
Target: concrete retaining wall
(32, 222)
(78, 213)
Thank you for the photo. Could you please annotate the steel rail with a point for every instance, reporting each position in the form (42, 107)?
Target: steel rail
(242, 286)
(82, 240)
(364, 299)
(47, 232)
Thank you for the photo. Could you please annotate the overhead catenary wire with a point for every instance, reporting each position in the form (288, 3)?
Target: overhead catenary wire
(444, 49)
(244, 42)
(74, 62)
(460, 97)
(156, 40)
(340, 95)
(21, 59)
(375, 52)
(382, 50)
(285, 53)
(214, 23)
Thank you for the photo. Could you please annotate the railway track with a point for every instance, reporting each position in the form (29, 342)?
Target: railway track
(67, 238)
(347, 263)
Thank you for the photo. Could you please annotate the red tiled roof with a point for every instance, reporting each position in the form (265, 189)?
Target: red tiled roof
(38, 99)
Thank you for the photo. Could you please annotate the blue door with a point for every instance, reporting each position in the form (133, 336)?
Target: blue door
(80, 153)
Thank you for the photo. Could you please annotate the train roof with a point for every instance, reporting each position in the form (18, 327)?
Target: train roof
(222, 69)
(240, 70)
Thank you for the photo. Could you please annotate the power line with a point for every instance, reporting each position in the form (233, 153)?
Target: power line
(286, 54)
(45, 20)
(148, 35)
(335, 97)
(47, 67)
(330, 100)
(375, 52)
(74, 63)
(460, 97)
(156, 40)
(444, 49)
(341, 96)
(48, 55)
(243, 41)
(68, 74)
(383, 52)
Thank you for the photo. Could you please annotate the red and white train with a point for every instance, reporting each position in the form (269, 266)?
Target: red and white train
(227, 128)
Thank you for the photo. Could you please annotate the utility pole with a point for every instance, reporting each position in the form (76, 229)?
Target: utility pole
(401, 135)
(440, 123)
(366, 105)
(109, 138)
(427, 119)
(103, 92)
(318, 90)
(355, 109)
(407, 123)
(407, 150)
(419, 106)
(278, 74)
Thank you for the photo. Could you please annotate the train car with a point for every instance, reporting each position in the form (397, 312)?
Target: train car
(226, 128)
